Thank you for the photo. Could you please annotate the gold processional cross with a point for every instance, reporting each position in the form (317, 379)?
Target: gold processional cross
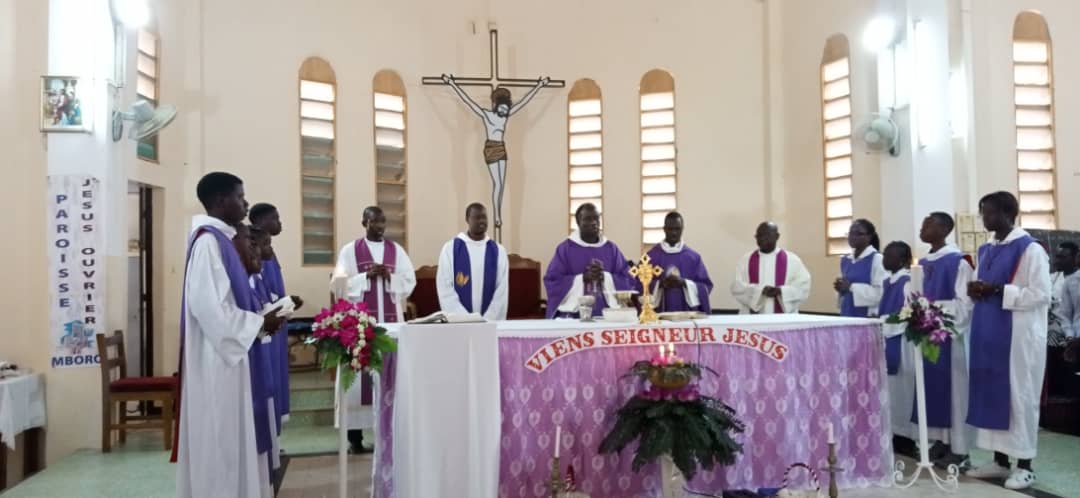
(645, 271)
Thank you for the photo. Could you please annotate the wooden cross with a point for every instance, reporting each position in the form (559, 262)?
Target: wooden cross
(493, 80)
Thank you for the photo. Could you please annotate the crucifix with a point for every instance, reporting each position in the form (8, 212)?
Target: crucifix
(495, 119)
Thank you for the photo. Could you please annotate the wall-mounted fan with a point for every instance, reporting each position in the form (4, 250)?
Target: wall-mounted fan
(881, 134)
(147, 121)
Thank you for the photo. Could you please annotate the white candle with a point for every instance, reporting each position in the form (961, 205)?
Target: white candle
(916, 278)
(661, 350)
(558, 438)
(832, 437)
(671, 349)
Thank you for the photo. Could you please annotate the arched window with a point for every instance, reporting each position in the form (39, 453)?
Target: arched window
(318, 159)
(147, 65)
(391, 176)
(585, 141)
(836, 141)
(658, 164)
(1033, 76)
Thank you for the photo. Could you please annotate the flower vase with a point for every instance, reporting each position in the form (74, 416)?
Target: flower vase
(672, 481)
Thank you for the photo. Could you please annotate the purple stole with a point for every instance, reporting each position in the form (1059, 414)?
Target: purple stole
(364, 262)
(892, 301)
(245, 300)
(856, 272)
(463, 274)
(781, 274)
(991, 338)
(939, 284)
(275, 283)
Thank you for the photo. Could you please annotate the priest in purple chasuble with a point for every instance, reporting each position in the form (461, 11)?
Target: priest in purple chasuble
(266, 217)
(1011, 292)
(945, 277)
(474, 271)
(586, 263)
(217, 443)
(685, 284)
(770, 280)
(379, 273)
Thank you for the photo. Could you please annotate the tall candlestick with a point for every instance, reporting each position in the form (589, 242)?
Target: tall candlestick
(558, 438)
(832, 436)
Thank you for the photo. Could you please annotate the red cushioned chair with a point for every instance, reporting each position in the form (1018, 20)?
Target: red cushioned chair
(425, 296)
(525, 290)
(116, 392)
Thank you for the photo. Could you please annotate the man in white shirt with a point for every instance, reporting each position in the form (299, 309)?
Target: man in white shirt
(379, 273)
(770, 280)
(474, 271)
(1064, 266)
(218, 446)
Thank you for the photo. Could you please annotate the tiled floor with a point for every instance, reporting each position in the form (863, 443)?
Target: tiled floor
(141, 469)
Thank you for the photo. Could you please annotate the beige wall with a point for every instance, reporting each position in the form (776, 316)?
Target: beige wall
(23, 57)
(995, 131)
(806, 26)
(712, 49)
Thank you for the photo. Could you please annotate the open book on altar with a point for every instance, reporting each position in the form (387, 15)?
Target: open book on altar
(440, 317)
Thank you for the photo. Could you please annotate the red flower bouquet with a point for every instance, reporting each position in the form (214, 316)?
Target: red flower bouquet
(346, 335)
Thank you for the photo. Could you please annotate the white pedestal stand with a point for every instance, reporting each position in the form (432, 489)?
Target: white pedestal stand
(672, 481)
(343, 439)
(950, 482)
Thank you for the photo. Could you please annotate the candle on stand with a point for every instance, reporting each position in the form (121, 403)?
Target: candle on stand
(916, 278)
(558, 437)
(832, 436)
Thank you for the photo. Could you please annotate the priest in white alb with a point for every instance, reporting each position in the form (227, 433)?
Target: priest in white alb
(377, 272)
(770, 280)
(474, 271)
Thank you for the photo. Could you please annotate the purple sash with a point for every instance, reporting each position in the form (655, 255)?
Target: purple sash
(892, 301)
(463, 274)
(245, 300)
(781, 274)
(364, 262)
(856, 272)
(939, 284)
(991, 338)
(275, 282)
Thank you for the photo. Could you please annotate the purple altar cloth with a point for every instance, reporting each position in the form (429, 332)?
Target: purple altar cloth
(833, 373)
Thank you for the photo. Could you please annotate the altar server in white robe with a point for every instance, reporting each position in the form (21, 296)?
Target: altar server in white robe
(770, 280)
(861, 272)
(474, 271)
(1011, 292)
(945, 274)
(898, 354)
(379, 273)
(216, 444)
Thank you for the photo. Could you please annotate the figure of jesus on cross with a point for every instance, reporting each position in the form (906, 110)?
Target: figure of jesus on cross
(496, 118)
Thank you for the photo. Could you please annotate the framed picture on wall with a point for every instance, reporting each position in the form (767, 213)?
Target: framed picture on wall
(62, 106)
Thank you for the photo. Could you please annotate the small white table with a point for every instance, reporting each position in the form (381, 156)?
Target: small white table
(22, 408)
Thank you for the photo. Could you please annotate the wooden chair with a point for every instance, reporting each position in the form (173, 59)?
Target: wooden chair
(525, 289)
(115, 393)
(425, 297)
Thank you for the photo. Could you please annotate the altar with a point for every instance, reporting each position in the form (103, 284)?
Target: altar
(787, 376)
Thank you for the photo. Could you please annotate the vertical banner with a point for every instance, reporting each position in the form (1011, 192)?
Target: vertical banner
(76, 262)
